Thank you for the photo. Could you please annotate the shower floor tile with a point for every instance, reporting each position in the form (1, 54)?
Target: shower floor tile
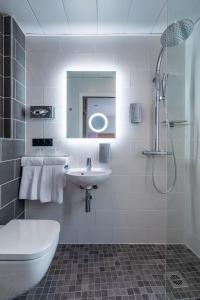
(118, 272)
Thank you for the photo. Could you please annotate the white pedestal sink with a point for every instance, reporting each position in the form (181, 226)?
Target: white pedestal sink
(86, 179)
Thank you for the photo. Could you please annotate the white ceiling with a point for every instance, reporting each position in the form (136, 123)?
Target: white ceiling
(60, 17)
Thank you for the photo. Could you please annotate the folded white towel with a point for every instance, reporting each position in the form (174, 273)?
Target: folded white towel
(32, 161)
(52, 184)
(30, 182)
(55, 161)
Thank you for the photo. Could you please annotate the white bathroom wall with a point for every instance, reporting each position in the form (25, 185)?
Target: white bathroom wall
(193, 155)
(126, 208)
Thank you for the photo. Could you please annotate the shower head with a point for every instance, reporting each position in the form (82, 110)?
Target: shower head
(177, 32)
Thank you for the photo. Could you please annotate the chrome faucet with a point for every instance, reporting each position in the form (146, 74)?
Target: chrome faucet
(89, 164)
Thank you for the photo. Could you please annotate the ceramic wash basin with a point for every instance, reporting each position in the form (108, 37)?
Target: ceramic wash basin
(84, 178)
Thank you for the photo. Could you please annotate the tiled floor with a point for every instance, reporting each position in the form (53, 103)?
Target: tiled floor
(118, 272)
(180, 258)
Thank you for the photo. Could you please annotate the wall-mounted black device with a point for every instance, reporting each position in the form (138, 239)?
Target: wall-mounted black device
(42, 112)
(42, 142)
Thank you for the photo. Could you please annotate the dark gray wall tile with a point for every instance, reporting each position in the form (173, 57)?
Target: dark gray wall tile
(1, 64)
(9, 192)
(0, 149)
(12, 149)
(14, 47)
(19, 130)
(12, 112)
(18, 34)
(1, 44)
(1, 107)
(21, 216)
(19, 148)
(20, 92)
(18, 168)
(7, 214)
(1, 86)
(1, 24)
(20, 54)
(14, 89)
(18, 111)
(7, 43)
(7, 25)
(6, 171)
(7, 128)
(19, 207)
(7, 107)
(18, 72)
(7, 66)
(1, 127)
(7, 87)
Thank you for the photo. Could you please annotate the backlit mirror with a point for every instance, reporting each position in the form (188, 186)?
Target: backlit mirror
(91, 104)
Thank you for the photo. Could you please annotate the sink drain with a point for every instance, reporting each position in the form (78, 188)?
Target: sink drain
(176, 280)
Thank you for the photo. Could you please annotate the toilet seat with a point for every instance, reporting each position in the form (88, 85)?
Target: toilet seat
(22, 240)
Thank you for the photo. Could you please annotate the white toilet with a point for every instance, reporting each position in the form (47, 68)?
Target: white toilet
(27, 248)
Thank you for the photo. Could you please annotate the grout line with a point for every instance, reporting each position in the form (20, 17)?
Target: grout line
(15, 179)
(9, 139)
(9, 160)
(8, 203)
(23, 48)
(17, 61)
(18, 101)
(17, 121)
(12, 78)
(20, 214)
(23, 67)
(19, 82)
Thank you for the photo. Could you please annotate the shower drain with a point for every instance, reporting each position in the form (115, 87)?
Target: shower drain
(176, 280)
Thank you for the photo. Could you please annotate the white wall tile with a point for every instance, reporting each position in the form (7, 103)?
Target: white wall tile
(135, 219)
(95, 235)
(134, 235)
(126, 208)
(175, 236)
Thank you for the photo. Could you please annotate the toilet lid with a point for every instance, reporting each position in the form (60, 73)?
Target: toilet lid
(27, 239)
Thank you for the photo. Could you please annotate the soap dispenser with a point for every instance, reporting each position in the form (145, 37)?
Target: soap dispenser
(104, 153)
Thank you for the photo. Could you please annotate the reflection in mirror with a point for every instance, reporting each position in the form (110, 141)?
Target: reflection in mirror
(91, 104)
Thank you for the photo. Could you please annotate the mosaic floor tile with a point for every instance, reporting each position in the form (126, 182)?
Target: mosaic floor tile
(118, 272)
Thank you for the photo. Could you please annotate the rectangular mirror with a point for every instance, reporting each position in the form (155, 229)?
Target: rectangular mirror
(91, 104)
